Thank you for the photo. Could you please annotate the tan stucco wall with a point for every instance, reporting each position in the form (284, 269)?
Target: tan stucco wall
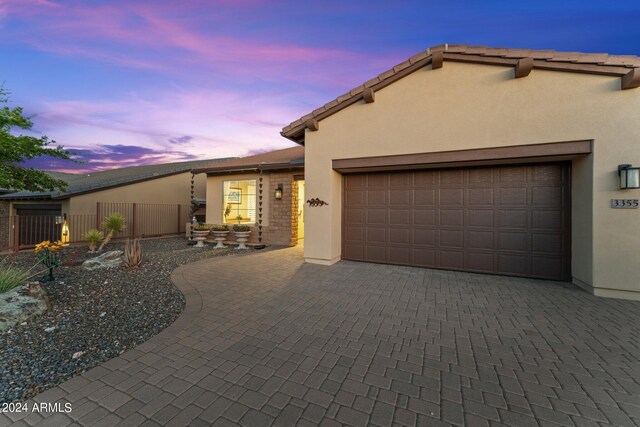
(466, 106)
(174, 189)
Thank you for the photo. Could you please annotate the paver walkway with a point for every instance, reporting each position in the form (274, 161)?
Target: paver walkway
(266, 339)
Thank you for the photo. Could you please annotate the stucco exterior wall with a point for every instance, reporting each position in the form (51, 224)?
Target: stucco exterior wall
(466, 106)
(173, 189)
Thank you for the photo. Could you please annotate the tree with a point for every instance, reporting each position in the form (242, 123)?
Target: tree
(16, 149)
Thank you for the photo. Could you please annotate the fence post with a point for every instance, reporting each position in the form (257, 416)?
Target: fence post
(133, 219)
(16, 233)
(178, 215)
(98, 215)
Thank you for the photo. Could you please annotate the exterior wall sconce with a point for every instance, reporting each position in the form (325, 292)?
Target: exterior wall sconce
(278, 192)
(629, 177)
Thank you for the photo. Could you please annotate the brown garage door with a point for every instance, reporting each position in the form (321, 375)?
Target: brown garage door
(511, 220)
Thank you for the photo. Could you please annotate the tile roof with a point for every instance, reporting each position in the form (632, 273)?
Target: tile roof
(287, 159)
(596, 63)
(95, 181)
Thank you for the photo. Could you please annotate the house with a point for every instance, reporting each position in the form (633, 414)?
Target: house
(265, 191)
(502, 161)
(155, 199)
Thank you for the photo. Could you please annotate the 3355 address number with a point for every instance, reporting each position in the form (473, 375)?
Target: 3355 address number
(624, 203)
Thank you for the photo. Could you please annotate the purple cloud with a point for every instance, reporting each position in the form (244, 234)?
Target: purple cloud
(105, 157)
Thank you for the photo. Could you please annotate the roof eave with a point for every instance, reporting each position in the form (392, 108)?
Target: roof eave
(249, 168)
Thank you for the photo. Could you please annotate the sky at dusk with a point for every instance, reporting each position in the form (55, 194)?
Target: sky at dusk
(126, 82)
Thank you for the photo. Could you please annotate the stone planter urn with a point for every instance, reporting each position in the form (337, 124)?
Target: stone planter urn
(219, 237)
(241, 238)
(199, 236)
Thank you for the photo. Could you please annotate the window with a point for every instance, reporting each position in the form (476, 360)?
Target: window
(239, 201)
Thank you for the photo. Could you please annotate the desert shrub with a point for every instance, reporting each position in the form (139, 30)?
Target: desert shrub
(112, 224)
(93, 237)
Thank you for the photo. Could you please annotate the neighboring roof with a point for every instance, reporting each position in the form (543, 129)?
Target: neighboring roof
(96, 181)
(289, 158)
(627, 67)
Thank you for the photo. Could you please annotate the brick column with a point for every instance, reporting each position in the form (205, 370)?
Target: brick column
(281, 212)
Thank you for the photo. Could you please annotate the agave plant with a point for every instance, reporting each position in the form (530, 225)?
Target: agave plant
(132, 256)
(93, 237)
(112, 224)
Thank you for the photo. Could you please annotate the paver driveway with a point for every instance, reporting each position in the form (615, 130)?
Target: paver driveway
(266, 339)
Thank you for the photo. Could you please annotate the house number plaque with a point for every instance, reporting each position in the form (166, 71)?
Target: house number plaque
(624, 203)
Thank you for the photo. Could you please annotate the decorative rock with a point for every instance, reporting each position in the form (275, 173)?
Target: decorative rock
(50, 329)
(21, 304)
(106, 260)
(78, 354)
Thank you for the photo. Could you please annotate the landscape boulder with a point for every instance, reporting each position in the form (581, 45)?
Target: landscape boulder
(106, 260)
(21, 304)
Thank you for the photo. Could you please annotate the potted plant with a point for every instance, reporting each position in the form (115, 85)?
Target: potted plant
(220, 235)
(93, 237)
(239, 218)
(200, 232)
(241, 232)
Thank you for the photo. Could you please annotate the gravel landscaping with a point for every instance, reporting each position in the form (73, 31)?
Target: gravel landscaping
(94, 316)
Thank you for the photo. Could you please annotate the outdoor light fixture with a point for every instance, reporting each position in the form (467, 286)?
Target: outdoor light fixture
(59, 219)
(629, 177)
(278, 193)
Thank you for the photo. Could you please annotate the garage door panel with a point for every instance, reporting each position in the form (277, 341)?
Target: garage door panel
(451, 259)
(479, 218)
(452, 196)
(517, 265)
(547, 267)
(399, 255)
(376, 235)
(425, 178)
(424, 237)
(377, 197)
(546, 243)
(547, 174)
(400, 180)
(359, 181)
(452, 177)
(479, 239)
(481, 177)
(512, 175)
(355, 197)
(399, 216)
(546, 219)
(355, 215)
(424, 217)
(376, 253)
(423, 197)
(377, 180)
(400, 197)
(400, 235)
(513, 241)
(479, 261)
(514, 196)
(510, 220)
(547, 196)
(452, 238)
(355, 234)
(480, 196)
(354, 252)
(423, 257)
(376, 216)
(452, 217)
